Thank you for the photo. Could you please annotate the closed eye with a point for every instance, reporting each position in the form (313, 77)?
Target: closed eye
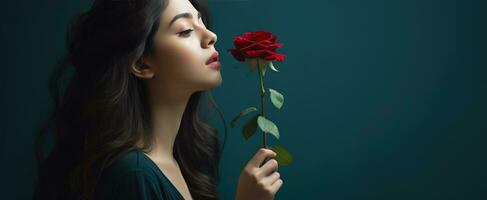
(185, 32)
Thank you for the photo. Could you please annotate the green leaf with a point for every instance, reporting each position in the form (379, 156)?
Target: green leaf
(272, 67)
(250, 127)
(261, 64)
(283, 156)
(268, 126)
(242, 113)
(276, 98)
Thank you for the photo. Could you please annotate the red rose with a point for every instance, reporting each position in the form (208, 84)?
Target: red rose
(258, 44)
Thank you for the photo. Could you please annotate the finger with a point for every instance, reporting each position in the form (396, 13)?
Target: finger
(269, 180)
(265, 160)
(261, 154)
(276, 185)
(268, 168)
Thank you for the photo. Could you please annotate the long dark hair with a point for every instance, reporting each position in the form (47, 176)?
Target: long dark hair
(101, 110)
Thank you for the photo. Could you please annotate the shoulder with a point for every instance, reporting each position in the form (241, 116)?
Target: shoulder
(128, 162)
(129, 176)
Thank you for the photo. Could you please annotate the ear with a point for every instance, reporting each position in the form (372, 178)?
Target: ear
(141, 68)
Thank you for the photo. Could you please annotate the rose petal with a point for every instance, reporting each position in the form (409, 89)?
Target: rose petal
(241, 42)
(237, 54)
(273, 39)
(258, 35)
(278, 57)
(261, 45)
(258, 44)
(259, 53)
(255, 46)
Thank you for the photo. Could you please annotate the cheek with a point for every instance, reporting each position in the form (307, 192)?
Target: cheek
(182, 61)
(177, 55)
(187, 59)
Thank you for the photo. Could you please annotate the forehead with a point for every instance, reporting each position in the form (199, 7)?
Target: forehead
(175, 7)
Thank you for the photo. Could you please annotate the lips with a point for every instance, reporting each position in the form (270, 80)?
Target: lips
(213, 58)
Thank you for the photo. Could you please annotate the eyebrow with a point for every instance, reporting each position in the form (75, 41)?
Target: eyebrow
(182, 15)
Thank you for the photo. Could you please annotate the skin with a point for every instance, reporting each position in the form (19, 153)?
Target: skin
(173, 73)
(259, 183)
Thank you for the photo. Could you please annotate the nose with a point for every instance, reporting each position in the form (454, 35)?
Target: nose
(210, 39)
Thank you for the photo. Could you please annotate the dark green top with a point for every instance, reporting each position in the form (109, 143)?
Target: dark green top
(134, 175)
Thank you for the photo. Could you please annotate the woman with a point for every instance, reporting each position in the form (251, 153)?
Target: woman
(127, 125)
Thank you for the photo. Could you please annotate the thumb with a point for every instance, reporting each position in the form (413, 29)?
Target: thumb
(260, 156)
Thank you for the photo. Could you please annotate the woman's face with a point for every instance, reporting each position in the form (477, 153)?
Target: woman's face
(182, 49)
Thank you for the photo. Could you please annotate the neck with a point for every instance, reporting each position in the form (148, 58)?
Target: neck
(167, 109)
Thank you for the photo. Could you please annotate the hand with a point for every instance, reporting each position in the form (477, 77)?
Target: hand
(258, 182)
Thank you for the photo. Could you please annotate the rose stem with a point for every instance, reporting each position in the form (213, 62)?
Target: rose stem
(262, 95)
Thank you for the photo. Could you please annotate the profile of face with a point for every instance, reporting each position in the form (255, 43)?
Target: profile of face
(182, 47)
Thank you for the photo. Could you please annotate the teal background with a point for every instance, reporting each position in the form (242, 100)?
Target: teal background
(383, 99)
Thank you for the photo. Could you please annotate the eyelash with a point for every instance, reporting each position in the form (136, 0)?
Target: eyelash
(185, 31)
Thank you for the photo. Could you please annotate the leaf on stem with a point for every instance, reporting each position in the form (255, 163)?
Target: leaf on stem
(263, 65)
(283, 156)
(268, 126)
(276, 98)
(242, 113)
(273, 67)
(250, 127)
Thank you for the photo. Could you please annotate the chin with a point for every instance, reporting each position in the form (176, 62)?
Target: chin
(213, 81)
(216, 80)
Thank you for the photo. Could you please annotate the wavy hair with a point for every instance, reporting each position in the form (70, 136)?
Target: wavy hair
(101, 110)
